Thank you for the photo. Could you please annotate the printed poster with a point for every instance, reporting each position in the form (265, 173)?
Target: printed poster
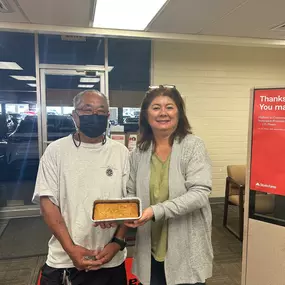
(132, 141)
(268, 142)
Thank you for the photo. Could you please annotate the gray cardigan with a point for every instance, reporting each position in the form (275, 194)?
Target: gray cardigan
(189, 254)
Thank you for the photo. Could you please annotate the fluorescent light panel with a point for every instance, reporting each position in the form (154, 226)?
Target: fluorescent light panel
(32, 84)
(126, 14)
(22, 77)
(10, 65)
(89, 80)
(85, 85)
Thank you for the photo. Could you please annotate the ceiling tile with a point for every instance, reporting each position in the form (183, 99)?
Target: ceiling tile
(190, 16)
(251, 20)
(15, 16)
(53, 12)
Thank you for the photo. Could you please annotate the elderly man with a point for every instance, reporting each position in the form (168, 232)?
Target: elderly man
(74, 171)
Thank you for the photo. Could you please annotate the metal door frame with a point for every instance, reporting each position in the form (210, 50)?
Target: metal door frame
(41, 72)
(60, 69)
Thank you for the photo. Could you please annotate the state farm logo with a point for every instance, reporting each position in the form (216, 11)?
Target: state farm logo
(258, 184)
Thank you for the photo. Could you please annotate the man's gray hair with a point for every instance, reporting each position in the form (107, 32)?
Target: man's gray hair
(77, 100)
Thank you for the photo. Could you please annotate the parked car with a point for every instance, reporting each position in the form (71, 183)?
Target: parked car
(22, 148)
(16, 117)
(3, 142)
(10, 123)
(131, 120)
(131, 124)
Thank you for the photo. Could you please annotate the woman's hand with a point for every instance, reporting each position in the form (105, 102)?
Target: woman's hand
(146, 216)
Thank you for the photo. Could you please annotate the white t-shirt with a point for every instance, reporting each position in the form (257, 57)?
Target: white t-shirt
(73, 178)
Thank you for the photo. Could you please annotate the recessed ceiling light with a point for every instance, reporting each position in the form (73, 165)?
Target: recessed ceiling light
(22, 77)
(32, 84)
(85, 85)
(126, 14)
(10, 65)
(89, 79)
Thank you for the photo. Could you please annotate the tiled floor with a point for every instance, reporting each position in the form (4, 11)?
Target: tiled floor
(227, 252)
(227, 263)
(23, 271)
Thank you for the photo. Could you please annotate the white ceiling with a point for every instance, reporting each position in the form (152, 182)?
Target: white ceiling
(49, 12)
(190, 16)
(235, 18)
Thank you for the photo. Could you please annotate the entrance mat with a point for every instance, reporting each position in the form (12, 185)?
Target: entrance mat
(24, 237)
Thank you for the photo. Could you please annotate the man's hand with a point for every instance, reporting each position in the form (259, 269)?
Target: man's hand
(107, 254)
(79, 256)
(146, 216)
(106, 225)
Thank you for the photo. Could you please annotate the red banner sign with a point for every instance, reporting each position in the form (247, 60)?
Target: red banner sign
(132, 279)
(268, 142)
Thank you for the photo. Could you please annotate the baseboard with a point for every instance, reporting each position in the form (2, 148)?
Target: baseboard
(19, 212)
(217, 200)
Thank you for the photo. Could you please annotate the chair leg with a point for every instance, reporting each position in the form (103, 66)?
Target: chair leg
(239, 233)
(226, 204)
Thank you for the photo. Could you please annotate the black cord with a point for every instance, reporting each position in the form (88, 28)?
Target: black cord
(104, 139)
(78, 145)
(74, 141)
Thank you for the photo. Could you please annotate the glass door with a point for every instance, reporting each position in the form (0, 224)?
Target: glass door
(59, 85)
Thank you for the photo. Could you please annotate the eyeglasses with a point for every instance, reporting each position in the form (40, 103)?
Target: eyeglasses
(162, 86)
(90, 111)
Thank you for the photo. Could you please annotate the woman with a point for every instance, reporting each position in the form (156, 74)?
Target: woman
(171, 173)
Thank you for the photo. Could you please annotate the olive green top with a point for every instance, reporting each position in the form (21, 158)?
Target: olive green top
(159, 192)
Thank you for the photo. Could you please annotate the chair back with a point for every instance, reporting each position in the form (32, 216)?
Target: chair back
(237, 173)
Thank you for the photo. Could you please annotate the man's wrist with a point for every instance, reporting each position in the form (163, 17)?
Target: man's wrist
(120, 242)
(69, 248)
(118, 247)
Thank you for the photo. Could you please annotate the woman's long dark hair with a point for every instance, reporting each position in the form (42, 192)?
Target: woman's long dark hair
(146, 134)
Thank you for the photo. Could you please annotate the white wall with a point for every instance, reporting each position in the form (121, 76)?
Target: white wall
(216, 82)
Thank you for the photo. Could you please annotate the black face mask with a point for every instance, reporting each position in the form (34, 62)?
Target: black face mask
(93, 126)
